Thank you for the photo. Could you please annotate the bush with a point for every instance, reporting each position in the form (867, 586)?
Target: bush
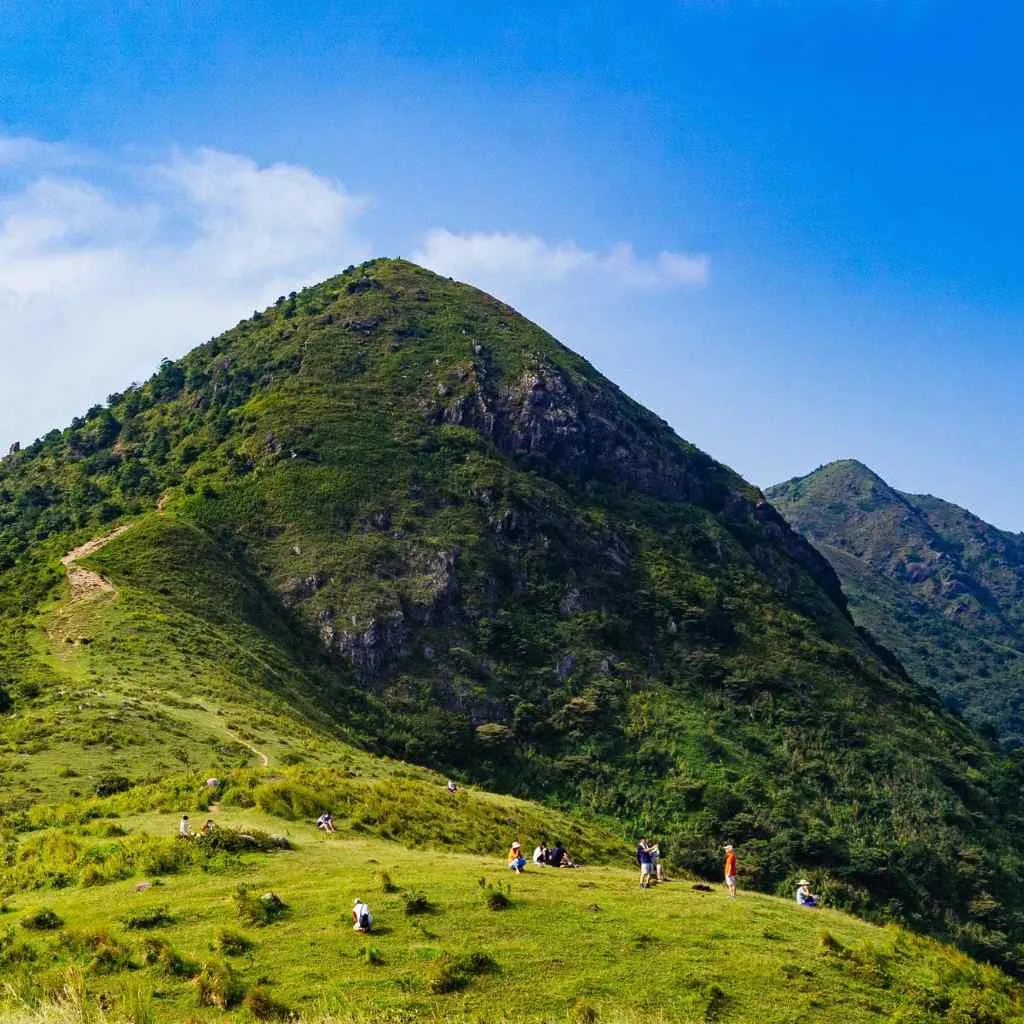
(216, 985)
(417, 903)
(384, 882)
(155, 917)
(496, 896)
(290, 800)
(582, 1012)
(232, 943)
(456, 972)
(233, 840)
(259, 910)
(43, 920)
(263, 1006)
(160, 953)
(108, 785)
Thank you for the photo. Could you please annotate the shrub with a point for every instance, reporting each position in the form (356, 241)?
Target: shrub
(108, 785)
(232, 943)
(43, 920)
(216, 985)
(233, 840)
(155, 917)
(456, 972)
(290, 800)
(263, 1006)
(384, 882)
(159, 953)
(496, 896)
(417, 903)
(259, 910)
(582, 1012)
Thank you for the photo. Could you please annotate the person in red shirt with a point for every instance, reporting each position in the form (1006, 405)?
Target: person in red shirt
(730, 870)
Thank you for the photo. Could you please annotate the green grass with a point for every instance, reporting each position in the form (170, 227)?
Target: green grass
(572, 943)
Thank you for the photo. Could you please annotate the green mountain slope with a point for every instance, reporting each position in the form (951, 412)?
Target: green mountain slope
(391, 512)
(937, 585)
(160, 934)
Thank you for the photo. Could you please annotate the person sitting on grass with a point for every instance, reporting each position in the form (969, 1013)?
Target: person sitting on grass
(325, 823)
(452, 787)
(184, 829)
(208, 826)
(362, 919)
(540, 853)
(804, 896)
(516, 860)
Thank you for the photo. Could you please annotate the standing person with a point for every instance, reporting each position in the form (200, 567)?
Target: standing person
(362, 919)
(645, 859)
(516, 860)
(730, 870)
(656, 860)
(184, 829)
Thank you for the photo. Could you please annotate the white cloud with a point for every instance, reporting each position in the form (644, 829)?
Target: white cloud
(105, 269)
(18, 150)
(519, 262)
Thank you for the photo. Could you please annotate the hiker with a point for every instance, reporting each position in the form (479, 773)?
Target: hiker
(656, 861)
(362, 919)
(452, 788)
(208, 826)
(540, 854)
(646, 862)
(325, 823)
(730, 870)
(804, 896)
(557, 857)
(184, 829)
(516, 860)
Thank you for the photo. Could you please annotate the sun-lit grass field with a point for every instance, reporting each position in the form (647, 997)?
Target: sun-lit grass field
(582, 945)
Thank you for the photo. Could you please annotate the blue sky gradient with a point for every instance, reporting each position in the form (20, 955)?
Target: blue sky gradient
(839, 179)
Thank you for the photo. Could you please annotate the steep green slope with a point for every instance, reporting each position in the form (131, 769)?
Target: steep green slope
(937, 585)
(393, 511)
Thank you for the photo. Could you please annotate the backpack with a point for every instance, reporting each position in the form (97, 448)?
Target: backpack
(364, 921)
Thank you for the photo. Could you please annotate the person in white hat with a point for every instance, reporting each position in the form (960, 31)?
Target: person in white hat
(361, 917)
(730, 870)
(804, 896)
(516, 860)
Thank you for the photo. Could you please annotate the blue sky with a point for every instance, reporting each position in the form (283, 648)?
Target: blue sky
(791, 227)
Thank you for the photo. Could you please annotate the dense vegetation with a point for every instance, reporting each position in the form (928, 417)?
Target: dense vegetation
(934, 583)
(389, 510)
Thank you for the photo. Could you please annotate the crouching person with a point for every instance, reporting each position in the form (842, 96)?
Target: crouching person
(362, 919)
(516, 860)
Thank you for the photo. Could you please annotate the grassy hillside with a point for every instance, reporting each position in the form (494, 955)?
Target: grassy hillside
(584, 945)
(937, 585)
(390, 512)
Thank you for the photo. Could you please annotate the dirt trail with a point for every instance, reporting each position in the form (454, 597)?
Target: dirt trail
(263, 759)
(85, 582)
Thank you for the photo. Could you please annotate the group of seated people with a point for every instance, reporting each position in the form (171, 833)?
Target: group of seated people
(325, 823)
(552, 856)
(185, 827)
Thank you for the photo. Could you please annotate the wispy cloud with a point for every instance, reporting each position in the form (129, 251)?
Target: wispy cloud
(105, 269)
(518, 261)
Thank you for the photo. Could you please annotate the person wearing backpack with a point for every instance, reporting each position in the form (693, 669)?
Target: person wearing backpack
(361, 917)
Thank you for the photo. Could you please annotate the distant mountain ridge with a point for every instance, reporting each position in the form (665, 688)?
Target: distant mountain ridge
(936, 584)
